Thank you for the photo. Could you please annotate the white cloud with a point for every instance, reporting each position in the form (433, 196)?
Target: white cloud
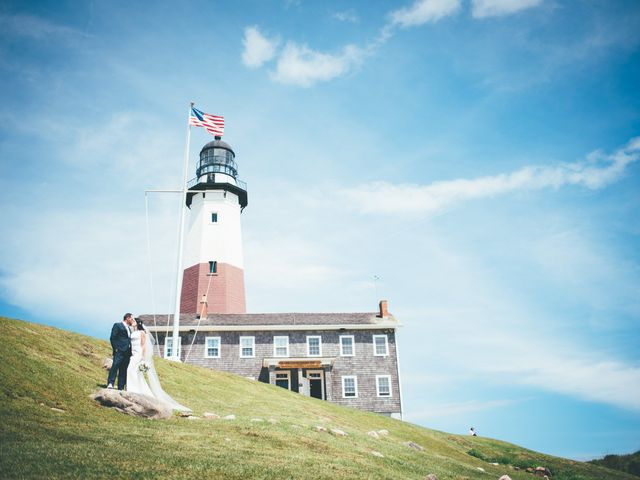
(67, 268)
(496, 8)
(346, 16)
(597, 171)
(424, 11)
(562, 367)
(258, 49)
(434, 412)
(508, 345)
(34, 27)
(299, 65)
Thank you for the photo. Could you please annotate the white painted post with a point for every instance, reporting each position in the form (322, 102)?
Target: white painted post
(183, 200)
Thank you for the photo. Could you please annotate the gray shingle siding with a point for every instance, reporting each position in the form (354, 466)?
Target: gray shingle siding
(364, 364)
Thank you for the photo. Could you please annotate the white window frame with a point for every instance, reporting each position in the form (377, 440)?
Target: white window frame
(378, 377)
(275, 347)
(288, 375)
(206, 347)
(355, 385)
(386, 346)
(353, 346)
(253, 347)
(319, 354)
(168, 339)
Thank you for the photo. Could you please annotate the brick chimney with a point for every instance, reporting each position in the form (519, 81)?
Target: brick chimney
(204, 306)
(384, 311)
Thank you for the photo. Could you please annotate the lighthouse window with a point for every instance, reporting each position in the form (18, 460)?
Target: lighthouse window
(214, 217)
(213, 267)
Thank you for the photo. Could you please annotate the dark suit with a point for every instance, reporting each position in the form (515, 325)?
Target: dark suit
(121, 346)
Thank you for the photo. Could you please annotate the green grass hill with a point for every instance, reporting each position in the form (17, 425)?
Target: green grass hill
(50, 428)
(626, 463)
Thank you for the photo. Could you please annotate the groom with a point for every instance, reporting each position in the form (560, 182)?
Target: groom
(121, 345)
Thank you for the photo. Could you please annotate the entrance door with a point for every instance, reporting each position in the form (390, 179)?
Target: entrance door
(283, 379)
(316, 387)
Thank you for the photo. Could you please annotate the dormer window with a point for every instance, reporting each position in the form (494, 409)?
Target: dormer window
(214, 217)
(213, 267)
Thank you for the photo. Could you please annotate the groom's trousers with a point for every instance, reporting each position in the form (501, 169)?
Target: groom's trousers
(119, 368)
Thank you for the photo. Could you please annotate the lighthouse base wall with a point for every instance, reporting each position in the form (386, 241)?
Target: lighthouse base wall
(224, 289)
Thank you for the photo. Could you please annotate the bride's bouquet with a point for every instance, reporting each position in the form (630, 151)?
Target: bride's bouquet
(143, 367)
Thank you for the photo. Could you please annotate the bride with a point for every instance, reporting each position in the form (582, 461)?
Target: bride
(141, 362)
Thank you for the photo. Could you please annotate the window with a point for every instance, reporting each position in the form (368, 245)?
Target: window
(247, 347)
(212, 347)
(283, 379)
(280, 346)
(213, 267)
(214, 217)
(383, 385)
(168, 347)
(314, 345)
(380, 347)
(347, 346)
(350, 387)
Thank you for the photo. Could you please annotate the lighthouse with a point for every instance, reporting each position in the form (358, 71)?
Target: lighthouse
(213, 240)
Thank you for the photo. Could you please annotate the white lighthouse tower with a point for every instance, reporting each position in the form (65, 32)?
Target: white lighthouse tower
(213, 241)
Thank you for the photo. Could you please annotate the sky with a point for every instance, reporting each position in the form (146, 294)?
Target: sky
(474, 162)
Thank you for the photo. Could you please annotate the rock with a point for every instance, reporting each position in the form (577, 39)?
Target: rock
(431, 476)
(376, 454)
(192, 417)
(530, 469)
(516, 468)
(338, 432)
(413, 445)
(320, 428)
(107, 363)
(480, 468)
(257, 420)
(210, 416)
(273, 421)
(495, 463)
(185, 414)
(59, 410)
(133, 404)
(373, 434)
(383, 432)
(542, 472)
(505, 477)
(229, 417)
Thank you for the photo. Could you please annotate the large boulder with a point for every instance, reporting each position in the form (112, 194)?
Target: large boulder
(134, 404)
(542, 472)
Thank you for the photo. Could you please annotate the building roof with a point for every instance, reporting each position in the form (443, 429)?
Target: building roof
(275, 321)
(217, 144)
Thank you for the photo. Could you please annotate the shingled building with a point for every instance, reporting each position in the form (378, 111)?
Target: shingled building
(346, 358)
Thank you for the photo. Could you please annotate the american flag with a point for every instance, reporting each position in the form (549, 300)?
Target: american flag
(214, 124)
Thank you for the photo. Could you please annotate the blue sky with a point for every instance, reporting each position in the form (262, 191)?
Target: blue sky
(480, 157)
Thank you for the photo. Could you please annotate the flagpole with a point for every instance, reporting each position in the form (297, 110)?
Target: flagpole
(183, 200)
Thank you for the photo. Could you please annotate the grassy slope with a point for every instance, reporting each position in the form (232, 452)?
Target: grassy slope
(43, 367)
(626, 463)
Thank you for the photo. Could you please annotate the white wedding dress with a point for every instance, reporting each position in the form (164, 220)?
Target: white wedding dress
(136, 381)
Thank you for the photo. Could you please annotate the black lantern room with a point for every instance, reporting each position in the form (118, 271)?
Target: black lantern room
(217, 170)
